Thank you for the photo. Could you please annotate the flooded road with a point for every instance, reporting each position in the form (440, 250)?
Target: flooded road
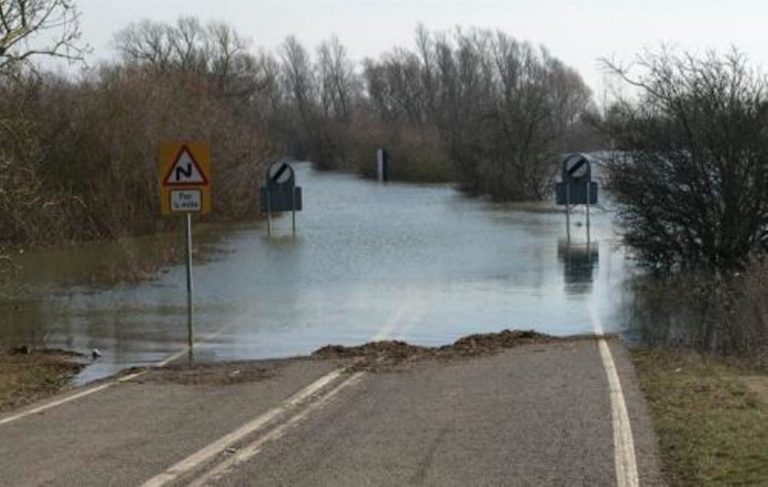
(397, 261)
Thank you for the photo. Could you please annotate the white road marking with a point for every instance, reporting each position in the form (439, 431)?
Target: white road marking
(219, 446)
(253, 449)
(623, 442)
(53, 404)
(87, 392)
(392, 323)
(407, 315)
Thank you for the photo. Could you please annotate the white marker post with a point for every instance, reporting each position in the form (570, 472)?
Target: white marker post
(382, 165)
(568, 210)
(589, 187)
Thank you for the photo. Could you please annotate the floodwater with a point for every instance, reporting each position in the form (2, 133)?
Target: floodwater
(420, 263)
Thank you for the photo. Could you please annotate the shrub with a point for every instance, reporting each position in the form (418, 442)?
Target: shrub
(690, 173)
(713, 313)
(84, 163)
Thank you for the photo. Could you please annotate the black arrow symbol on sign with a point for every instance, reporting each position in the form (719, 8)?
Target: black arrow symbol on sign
(280, 172)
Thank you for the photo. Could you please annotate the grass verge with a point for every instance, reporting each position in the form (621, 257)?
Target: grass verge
(712, 429)
(29, 377)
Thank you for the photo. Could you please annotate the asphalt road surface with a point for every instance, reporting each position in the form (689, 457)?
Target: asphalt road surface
(538, 414)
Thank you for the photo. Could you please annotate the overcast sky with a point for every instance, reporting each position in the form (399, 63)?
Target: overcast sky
(578, 32)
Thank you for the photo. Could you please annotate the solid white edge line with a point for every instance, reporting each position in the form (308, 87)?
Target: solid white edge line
(59, 402)
(624, 445)
(626, 464)
(217, 447)
(253, 449)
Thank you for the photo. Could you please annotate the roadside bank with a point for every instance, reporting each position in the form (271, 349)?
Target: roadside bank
(29, 375)
(710, 417)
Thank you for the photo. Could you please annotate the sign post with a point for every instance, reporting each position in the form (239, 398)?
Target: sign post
(184, 180)
(281, 193)
(188, 241)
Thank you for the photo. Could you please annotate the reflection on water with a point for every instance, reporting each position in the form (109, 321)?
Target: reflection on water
(415, 262)
(579, 262)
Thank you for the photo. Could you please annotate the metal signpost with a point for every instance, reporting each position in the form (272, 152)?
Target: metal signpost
(184, 180)
(281, 193)
(576, 187)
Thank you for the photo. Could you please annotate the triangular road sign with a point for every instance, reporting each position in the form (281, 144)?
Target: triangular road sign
(185, 171)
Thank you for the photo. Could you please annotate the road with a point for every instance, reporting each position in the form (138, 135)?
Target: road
(539, 414)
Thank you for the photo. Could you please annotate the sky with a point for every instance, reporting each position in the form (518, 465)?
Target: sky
(577, 32)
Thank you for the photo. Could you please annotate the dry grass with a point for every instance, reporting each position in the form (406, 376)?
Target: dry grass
(712, 429)
(29, 377)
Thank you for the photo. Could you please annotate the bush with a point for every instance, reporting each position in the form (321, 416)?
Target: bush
(83, 164)
(690, 173)
(723, 314)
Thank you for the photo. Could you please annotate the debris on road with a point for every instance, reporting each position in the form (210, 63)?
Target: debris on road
(382, 354)
(210, 374)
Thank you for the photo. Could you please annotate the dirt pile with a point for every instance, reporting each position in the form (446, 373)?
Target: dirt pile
(384, 354)
(490, 342)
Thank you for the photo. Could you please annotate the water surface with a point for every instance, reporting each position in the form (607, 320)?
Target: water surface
(421, 263)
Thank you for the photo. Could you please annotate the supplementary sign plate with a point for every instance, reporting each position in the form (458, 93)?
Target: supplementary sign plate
(183, 200)
(576, 193)
(184, 177)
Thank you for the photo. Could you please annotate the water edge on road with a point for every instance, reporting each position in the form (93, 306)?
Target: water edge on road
(420, 263)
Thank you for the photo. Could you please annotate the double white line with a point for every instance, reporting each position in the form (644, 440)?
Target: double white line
(200, 468)
(311, 397)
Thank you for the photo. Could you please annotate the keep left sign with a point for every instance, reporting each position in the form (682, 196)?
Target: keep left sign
(184, 177)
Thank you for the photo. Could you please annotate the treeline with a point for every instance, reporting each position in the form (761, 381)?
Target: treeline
(78, 156)
(474, 106)
(501, 110)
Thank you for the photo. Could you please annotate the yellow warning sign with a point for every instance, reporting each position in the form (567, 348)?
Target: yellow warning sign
(184, 177)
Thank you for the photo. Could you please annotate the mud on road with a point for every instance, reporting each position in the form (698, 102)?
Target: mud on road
(379, 356)
(390, 355)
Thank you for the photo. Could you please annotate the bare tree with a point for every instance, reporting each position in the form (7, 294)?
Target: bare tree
(691, 170)
(503, 108)
(299, 78)
(339, 86)
(215, 50)
(33, 28)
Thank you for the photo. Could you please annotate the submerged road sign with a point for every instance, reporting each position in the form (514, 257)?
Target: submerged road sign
(576, 167)
(184, 176)
(280, 193)
(579, 193)
(577, 187)
(281, 175)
